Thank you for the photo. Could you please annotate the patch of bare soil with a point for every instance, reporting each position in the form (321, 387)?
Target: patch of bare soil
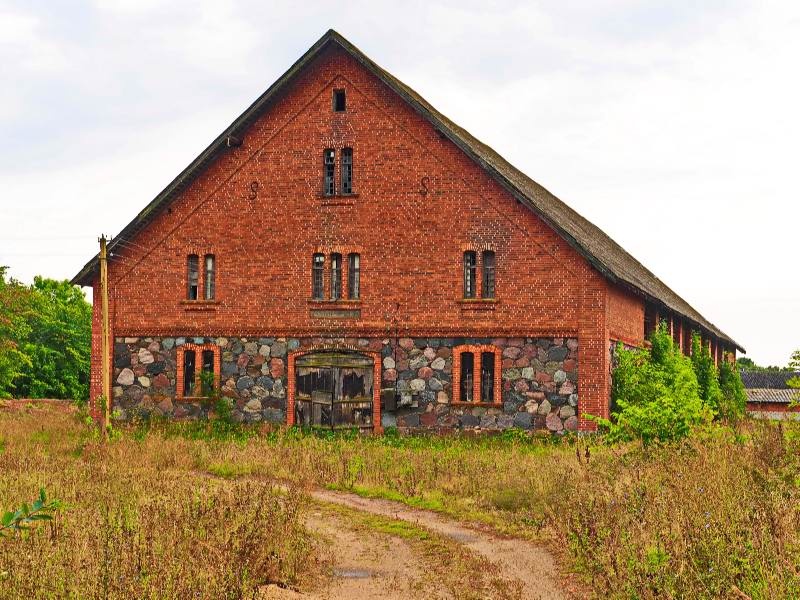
(364, 565)
(516, 560)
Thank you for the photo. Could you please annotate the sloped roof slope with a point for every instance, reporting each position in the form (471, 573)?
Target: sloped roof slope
(608, 257)
(775, 380)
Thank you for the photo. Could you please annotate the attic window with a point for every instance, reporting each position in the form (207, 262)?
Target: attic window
(339, 101)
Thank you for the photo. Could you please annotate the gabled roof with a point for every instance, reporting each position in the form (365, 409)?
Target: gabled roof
(770, 395)
(608, 257)
(775, 380)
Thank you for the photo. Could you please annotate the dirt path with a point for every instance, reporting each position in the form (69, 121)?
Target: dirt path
(366, 565)
(516, 560)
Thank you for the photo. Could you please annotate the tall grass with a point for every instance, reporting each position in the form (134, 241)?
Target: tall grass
(713, 516)
(179, 507)
(139, 522)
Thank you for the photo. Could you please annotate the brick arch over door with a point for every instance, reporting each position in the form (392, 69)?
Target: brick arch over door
(322, 348)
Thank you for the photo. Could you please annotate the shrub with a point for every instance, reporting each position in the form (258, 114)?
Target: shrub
(706, 372)
(655, 394)
(734, 398)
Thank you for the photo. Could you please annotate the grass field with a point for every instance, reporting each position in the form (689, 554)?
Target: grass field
(182, 510)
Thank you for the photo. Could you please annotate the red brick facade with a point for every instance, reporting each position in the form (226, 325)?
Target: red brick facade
(418, 203)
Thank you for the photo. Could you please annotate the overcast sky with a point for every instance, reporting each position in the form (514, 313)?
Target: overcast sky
(672, 127)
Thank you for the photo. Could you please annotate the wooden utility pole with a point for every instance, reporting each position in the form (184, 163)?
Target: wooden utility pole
(104, 345)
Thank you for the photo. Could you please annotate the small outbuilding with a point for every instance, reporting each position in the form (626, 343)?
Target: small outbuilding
(769, 395)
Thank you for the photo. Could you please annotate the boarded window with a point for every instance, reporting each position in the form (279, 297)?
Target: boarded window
(317, 277)
(487, 376)
(334, 390)
(336, 276)
(347, 171)
(210, 277)
(189, 360)
(339, 101)
(329, 158)
(469, 274)
(488, 274)
(353, 276)
(192, 276)
(467, 376)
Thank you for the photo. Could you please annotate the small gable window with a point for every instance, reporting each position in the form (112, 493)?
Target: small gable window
(488, 274)
(336, 276)
(192, 276)
(210, 281)
(317, 277)
(347, 171)
(353, 276)
(339, 101)
(329, 161)
(470, 266)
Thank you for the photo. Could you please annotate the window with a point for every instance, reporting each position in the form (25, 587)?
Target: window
(487, 376)
(193, 363)
(347, 171)
(317, 277)
(192, 277)
(650, 317)
(488, 275)
(189, 358)
(353, 276)
(339, 101)
(336, 276)
(329, 158)
(469, 274)
(477, 371)
(687, 340)
(209, 282)
(207, 367)
(467, 377)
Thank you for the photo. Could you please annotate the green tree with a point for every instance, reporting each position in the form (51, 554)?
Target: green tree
(655, 393)
(45, 339)
(734, 398)
(14, 306)
(794, 382)
(706, 373)
(747, 364)
(58, 344)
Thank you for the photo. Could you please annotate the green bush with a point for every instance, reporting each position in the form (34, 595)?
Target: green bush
(655, 394)
(734, 398)
(707, 376)
(45, 339)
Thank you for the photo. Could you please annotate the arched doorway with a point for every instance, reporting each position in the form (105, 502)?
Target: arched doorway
(334, 389)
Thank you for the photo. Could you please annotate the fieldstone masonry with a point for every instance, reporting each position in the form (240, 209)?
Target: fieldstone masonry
(539, 380)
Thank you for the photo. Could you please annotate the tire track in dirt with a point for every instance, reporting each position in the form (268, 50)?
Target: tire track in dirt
(516, 559)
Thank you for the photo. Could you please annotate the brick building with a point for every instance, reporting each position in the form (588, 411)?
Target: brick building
(344, 255)
(769, 395)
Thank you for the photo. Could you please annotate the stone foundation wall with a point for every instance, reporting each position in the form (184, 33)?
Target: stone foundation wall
(539, 375)
(539, 380)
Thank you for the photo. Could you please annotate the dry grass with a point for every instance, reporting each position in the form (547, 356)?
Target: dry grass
(138, 522)
(702, 519)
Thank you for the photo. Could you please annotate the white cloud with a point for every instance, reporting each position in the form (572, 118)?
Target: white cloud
(671, 125)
